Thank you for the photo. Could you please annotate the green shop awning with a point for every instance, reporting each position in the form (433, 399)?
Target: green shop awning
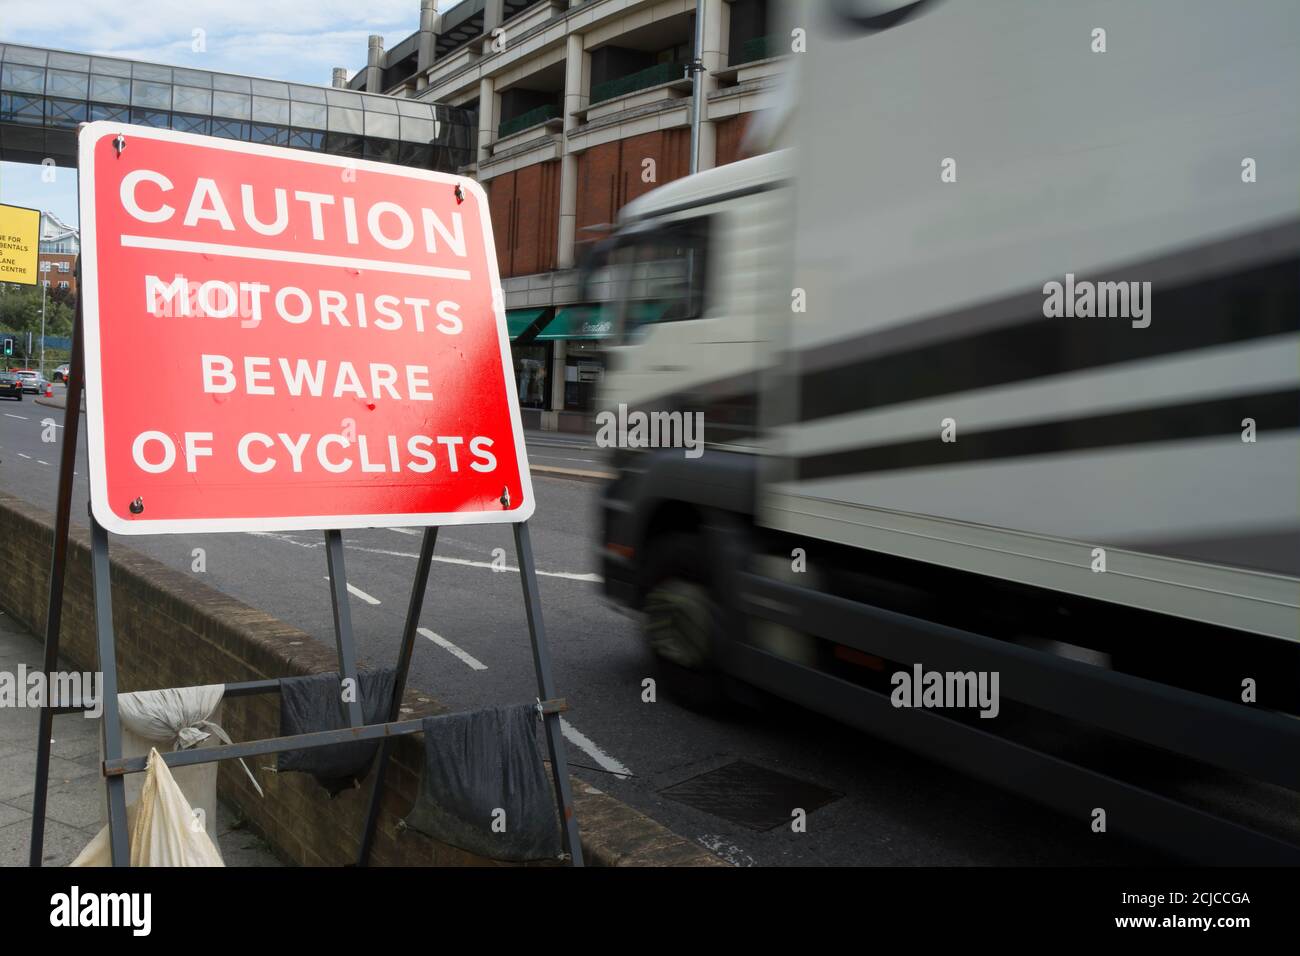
(518, 320)
(578, 322)
(593, 321)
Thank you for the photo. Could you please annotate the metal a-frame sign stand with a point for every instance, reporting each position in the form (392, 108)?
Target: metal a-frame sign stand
(115, 766)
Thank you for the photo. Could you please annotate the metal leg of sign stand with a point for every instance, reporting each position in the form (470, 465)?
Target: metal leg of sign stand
(116, 766)
(343, 623)
(413, 609)
(58, 565)
(110, 725)
(545, 691)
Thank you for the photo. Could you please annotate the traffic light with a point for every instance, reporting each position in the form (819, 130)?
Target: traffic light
(9, 346)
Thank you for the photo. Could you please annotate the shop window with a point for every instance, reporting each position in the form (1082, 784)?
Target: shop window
(532, 375)
(584, 367)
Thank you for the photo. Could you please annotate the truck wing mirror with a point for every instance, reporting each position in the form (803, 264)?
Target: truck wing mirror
(596, 257)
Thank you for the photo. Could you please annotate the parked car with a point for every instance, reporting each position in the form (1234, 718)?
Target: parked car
(33, 381)
(60, 374)
(11, 386)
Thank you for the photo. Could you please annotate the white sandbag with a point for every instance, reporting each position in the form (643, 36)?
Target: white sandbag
(161, 827)
(197, 782)
(174, 719)
(177, 718)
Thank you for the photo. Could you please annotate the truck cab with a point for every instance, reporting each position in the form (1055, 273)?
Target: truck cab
(694, 270)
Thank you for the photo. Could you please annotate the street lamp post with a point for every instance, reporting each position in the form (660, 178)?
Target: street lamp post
(44, 286)
(696, 69)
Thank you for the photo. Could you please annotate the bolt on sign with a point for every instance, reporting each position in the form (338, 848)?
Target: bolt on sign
(281, 340)
(20, 243)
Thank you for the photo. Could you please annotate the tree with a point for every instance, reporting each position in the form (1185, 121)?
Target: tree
(20, 311)
(65, 297)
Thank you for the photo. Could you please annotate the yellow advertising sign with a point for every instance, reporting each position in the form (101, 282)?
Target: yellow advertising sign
(20, 241)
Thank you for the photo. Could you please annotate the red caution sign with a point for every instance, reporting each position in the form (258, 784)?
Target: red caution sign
(282, 340)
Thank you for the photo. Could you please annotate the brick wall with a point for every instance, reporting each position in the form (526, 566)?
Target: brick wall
(610, 175)
(174, 631)
(525, 207)
(731, 132)
(54, 276)
(501, 206)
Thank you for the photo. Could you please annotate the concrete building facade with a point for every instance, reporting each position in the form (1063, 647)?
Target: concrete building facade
(580, 107)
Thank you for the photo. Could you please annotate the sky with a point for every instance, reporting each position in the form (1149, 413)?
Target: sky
(299, 40)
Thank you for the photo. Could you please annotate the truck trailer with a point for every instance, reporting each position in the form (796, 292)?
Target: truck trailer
(996, 351)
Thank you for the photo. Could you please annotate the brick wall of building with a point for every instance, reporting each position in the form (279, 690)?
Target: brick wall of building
(501, 206)
(55, 276)
(612, 174)
(525, 208)
(731, 133)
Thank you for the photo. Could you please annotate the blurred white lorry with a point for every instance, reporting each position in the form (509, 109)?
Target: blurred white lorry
(998, 360)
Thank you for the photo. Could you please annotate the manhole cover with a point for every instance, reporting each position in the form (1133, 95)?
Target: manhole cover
(749, 795)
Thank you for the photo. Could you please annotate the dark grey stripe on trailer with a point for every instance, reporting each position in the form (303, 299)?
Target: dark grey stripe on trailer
(1276, 551)
(1271, 411)
(1255, 302)
(1212, 259)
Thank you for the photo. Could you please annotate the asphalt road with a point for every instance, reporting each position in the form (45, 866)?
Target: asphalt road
(888, 806)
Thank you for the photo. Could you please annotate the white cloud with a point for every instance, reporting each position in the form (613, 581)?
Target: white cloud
(22, 184)
(300, 40)
(289, 39)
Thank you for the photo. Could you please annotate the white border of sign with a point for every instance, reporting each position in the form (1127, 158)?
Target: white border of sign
(87, 136)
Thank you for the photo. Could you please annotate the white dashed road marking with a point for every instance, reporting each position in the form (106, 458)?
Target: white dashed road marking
(584, 743)
(466, 562)
(357, 592)
(287, 539)
(23, 417)
(465, 656)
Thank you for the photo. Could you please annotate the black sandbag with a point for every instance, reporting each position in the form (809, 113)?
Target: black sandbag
(476, 764)
(314, 703)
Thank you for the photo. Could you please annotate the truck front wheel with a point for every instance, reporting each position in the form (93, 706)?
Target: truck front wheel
(682, 620)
